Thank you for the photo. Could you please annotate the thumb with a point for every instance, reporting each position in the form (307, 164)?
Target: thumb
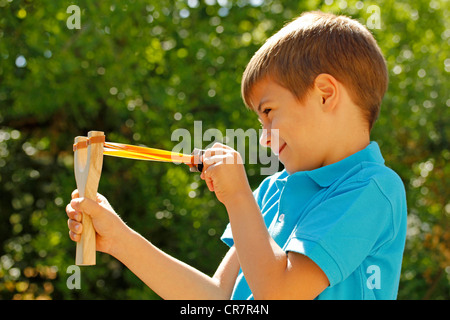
(87, 206)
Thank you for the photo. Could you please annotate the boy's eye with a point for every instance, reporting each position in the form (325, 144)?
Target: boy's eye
(266, 111)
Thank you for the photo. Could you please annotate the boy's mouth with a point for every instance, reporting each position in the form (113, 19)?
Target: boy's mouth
(280, 149)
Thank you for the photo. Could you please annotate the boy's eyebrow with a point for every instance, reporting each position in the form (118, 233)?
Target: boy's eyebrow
(263, 101)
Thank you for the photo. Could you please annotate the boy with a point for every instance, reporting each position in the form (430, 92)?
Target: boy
(332, 224)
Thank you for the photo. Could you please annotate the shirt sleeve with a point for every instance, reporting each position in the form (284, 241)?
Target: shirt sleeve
(343, 230)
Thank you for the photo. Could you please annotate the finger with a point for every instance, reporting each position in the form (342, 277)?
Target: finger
(208, 159)
(75, 237)
(101, 198)
(88, 206)
(229, 158)
(74, 226)
(72, 213)
(213, 151)
(218, 148)
(221, 145)
(219, 152)
(209, 184)
(75, 194)
(207, 177)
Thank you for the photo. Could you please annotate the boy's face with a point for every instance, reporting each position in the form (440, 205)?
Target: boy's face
(297, 132)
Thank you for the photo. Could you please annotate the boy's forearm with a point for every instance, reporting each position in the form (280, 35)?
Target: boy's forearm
(167, 276)
(261, 259)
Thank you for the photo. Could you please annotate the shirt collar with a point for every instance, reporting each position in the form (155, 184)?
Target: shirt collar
(326, 175)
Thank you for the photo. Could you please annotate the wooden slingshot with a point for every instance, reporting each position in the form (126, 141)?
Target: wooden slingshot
(88, 162)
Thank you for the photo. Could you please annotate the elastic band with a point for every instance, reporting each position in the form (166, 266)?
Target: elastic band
(96, 139)
(89, 141)
(80, 145)
(143, 153)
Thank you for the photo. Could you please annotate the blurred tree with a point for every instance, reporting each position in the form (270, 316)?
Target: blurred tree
(139, 70)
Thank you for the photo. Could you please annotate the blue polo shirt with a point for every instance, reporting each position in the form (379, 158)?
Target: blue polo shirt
(348, 217)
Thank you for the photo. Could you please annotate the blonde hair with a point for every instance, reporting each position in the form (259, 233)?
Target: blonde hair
(316, 43)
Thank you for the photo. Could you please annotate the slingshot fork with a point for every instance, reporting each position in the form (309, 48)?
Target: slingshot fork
(88, 162)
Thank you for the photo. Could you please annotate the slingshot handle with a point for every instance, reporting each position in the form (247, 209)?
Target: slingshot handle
(88, 164)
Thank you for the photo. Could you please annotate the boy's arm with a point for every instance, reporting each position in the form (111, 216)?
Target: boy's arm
(167, 276)
(270, 272)
(171, 278)
(227, 272)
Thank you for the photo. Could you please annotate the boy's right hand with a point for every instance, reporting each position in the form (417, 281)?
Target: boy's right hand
(107, 224)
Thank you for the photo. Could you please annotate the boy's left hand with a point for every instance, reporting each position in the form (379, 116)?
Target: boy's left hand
(224, 173)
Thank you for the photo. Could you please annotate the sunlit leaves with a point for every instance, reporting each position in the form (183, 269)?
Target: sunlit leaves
(140, 70)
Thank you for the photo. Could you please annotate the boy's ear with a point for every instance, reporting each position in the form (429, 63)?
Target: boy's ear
(327, 89)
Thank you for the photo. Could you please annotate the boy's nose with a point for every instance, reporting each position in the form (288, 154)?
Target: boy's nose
(264, 140)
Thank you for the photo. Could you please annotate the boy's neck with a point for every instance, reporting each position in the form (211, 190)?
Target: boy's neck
(348, 144)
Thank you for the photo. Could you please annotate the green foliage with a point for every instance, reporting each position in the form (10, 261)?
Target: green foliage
(138, 70)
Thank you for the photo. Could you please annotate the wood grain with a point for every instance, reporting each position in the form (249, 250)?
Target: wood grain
(88, 164)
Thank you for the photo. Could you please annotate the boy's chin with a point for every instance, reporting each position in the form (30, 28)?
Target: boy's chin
(289, 169)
